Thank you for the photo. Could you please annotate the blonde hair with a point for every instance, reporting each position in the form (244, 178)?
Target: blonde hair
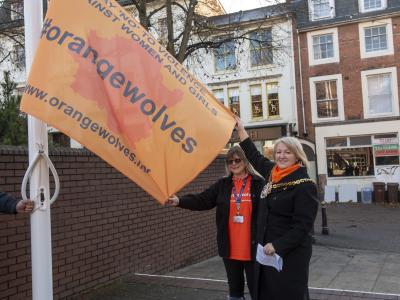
(295, 147)
(236, 150)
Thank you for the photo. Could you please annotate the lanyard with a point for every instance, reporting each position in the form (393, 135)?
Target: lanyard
(238, 198)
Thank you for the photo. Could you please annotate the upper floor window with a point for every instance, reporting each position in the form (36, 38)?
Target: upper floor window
(376, 38)
(225, 58)
(321, 9)
(260, 48)
(256, 102)
(219, 94)
(163, 31)
(323, 46)
(327, 98)
(380, 91)
(234, 101)
(19, 56)
(273, 99)
(17, 10)
(371, 5)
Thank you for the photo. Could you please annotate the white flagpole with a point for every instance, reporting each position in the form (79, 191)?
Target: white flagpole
(42, 279)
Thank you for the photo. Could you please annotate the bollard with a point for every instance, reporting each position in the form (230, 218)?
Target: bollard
(325, 229)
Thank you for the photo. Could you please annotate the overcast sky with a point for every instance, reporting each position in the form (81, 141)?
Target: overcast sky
(236, 5)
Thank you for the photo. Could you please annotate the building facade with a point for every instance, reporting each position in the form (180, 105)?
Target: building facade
(348, 62)
(254, 77)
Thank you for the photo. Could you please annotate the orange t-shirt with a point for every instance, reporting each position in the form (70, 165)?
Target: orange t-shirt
(239, 233)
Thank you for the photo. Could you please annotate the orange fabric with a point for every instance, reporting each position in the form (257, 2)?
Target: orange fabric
(239, 233)
(105, 82)
(277, 173)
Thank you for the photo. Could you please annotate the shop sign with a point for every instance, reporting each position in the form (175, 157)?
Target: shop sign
(386, 150)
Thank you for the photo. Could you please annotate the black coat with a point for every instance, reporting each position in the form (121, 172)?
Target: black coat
(8, 203)
(286, 217)
(218, 195)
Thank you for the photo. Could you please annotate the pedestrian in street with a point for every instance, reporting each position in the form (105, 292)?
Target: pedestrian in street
(236, 198)
(287, 210)
(10, 205)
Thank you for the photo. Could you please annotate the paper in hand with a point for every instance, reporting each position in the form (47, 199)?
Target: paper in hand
(269, 260)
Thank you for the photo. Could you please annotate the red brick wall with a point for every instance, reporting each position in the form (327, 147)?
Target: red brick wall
(103, 226)
(350, 66)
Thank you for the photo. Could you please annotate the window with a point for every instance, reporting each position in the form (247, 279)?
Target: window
(371, 5)
(163, 31)
(260, 48)
(17, 10)
(323, 46)
(272, 99)
(321, 9)
(379, 89)
(19, 56)
(234, 103)
(225, 58)
(376, 38)
(349, 156)
(219, 94)
(327, 98)
(256, 102)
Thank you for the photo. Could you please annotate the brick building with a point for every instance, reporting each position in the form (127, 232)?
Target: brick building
(348, 60)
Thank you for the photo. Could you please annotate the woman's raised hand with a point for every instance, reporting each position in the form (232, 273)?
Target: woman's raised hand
(240, 129)
(173, 200)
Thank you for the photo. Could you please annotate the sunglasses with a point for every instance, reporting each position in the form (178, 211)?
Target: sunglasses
(236, 161)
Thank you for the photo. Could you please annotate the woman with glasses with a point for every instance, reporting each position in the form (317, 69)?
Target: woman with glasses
(287, 210)
(236, 199)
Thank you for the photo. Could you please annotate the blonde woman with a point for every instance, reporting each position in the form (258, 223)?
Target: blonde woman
(236, 198)
(287, 210)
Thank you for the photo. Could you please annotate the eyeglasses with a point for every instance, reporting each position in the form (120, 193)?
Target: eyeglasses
(236, 161)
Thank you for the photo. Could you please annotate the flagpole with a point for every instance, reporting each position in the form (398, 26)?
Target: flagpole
(42, 281)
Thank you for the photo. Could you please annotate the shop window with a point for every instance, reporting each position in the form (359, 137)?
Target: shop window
(350, 162)
(273, 99)
(234, 101)
(256, 102)
(345, 156)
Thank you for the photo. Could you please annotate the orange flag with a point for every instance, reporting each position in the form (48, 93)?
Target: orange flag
(100, 78)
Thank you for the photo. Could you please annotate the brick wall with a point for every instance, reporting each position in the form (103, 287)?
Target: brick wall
(350, 67)
(103, 226)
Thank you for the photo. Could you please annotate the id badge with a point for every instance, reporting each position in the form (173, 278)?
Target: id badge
(238, 219)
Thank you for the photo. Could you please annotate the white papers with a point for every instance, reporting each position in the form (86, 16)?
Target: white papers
(269, 260)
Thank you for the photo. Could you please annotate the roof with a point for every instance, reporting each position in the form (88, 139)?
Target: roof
(251, 15)
(345, 11)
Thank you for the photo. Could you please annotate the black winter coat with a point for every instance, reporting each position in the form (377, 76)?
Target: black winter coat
(286, 217)
(218, 195)
(7, 203)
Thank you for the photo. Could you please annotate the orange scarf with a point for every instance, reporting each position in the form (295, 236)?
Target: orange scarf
(277, 174)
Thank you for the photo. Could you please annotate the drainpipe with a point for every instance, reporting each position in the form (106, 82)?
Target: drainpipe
(301, 84)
